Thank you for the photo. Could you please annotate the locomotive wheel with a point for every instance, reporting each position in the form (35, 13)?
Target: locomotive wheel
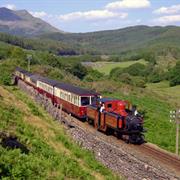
(109, 131)
(118, 135)
(136, 139)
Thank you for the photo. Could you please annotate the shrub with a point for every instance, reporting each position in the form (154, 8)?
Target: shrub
(115, 72)
(139, 82)
(17, 52)
(175, 75)
(136, 69)
(5, 79)
(93, 75)
(125, 78)
(156, 76)
(79, 70)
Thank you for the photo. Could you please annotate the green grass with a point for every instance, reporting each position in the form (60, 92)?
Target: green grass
(160, 130)
(162, 89)
(53, 154)
(106, 67)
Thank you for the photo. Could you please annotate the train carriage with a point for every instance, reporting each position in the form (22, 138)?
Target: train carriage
(74, 99)
(46, 86)
(19, 74)
(27, 77)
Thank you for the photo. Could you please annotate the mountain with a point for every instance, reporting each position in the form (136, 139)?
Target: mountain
(121, 40)
(128, 41)
(22, 23)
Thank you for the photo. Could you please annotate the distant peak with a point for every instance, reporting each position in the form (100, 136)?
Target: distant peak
(5, 9)
(8, 15)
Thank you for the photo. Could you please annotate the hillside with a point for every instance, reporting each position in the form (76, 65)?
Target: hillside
(124, 40)
(23, 23)
(51, 152)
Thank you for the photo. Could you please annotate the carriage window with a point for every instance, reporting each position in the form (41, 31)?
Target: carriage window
(85, 101)
(94, 100)
(109, 105)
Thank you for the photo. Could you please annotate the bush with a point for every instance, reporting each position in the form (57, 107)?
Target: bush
(125, 78)
(156, 76)
(175, 75)
(93, 75)
(139, 82)
(136, 69)
(6, 69)
(79, 70)
(5, 79)
(17, 52)
(115, 72)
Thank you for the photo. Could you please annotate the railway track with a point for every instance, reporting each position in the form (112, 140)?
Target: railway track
(167, 158)
(148, 150)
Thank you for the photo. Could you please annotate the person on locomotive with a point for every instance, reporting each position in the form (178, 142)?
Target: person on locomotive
(102, 108)
(134, 110)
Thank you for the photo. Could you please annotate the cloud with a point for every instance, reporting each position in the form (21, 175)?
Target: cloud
(168, 19)
(168, 10)
(10, 6)
(128, 4)
(93, 15)
(40, 14)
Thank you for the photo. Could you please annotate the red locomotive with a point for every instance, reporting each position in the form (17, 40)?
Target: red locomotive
(115, 116)
(106, 114)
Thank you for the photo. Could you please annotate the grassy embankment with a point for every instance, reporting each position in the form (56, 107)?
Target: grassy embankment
(106, 67)
(172, 94)
(53, 155)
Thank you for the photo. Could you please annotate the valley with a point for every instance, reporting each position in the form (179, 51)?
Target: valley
(139, 63)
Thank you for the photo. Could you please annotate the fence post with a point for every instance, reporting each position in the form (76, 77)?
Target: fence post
(177, 130)
(175, 117)
(60, 112)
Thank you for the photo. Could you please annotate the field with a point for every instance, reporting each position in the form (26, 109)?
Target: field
(106, 67)
(162, 89)
(53, 155)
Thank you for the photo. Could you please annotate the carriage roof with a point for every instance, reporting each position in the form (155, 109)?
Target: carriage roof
(27, 73)
(68, 87)
(60, 85)
(76, 90)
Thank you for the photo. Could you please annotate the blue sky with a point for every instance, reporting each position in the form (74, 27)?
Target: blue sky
(94, 15)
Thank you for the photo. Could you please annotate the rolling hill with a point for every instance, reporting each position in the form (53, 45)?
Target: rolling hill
(22, 23)
(122, 40)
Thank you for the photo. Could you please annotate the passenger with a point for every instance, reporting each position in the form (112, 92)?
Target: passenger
(102, 108)
(99, 106)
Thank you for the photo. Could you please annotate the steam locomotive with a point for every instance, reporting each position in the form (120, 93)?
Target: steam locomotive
(105, 114)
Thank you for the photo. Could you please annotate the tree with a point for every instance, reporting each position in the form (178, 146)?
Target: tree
(93, 75)
(136, 69)
(79, 70)
(116, 72)
(175, 75)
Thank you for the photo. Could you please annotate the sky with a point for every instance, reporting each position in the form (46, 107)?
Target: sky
(95, 15)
